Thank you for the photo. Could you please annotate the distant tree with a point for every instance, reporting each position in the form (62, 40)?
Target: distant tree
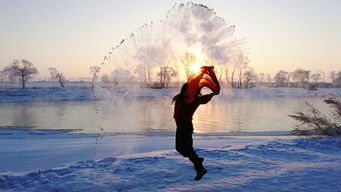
(227, 76)
(55, 75)
(105, 79)
(240, 75)
(121, 75)
(53, 72)
(12, 77)
(255, 77)
(232, 75)
(301, 75)
(94, 71)
(23, 69)
(248, 76)
(241, 64)
(166, 74)
(261, 77)
(316, 77)
(281, 77)
(141, 72)
(2, 75)
(289, 76)
(60, 77)
(145, 56)
(187, 60)
(174, 62)
(268, 77)
(337, 80)
(323, 76)
(332, 76)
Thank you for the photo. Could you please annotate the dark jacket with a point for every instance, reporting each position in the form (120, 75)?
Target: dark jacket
(183, 112)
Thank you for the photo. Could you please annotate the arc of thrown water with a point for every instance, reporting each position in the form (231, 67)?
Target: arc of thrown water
(171, 24)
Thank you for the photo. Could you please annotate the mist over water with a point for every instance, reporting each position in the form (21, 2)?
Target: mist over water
(191, 29)
(163, 53)
(155, 115)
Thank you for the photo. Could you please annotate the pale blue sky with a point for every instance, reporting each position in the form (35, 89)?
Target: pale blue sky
(72, 35)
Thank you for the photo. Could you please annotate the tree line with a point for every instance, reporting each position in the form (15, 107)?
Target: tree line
(304, 78)
(24, 70)
(237, 75)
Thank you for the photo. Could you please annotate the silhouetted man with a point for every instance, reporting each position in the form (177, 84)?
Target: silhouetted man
(183, 112)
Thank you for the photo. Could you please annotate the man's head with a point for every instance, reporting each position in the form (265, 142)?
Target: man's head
(182, 93)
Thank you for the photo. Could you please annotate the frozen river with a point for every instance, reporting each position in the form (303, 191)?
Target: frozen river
(155, 115)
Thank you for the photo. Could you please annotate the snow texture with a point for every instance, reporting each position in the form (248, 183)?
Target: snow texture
(149, 163)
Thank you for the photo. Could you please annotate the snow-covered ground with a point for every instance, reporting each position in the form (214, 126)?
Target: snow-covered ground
(45, 84)
(47, 160)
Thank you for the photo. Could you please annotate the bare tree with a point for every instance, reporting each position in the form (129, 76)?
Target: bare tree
(166, 74)
(53, 72)
(337, 81)
(60, 77)
(248, 76)
(268, 77)
(174, 63)
(23, 69)
(12, 78)
(55, 75)
(120, 75)
(2, 75)
(94, 71)
(220, 73)
(281, 77)
(232, 76)
(227, 76)
(241, 63)
(290, 76)
(301, 75)
(241, 69)
(187, 60)
(332, 76)
(323, 76)
(140, 72)
(105, 79)
(316, 77)
(261, 78)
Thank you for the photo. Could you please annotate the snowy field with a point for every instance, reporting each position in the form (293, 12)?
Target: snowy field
(63, 159)
(49, 161)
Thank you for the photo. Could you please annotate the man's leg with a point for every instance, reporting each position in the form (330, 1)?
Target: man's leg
(184, 141)
(197, 162)
(184, 145)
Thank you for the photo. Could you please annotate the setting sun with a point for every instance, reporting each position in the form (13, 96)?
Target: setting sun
(196, 67)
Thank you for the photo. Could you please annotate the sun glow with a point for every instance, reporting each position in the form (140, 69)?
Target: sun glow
(201, 60)
(196, 67)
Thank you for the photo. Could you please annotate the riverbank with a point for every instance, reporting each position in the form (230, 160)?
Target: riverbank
(80, 93)
(50, 161)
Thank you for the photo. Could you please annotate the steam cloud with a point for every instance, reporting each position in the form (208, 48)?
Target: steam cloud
(191, 28)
